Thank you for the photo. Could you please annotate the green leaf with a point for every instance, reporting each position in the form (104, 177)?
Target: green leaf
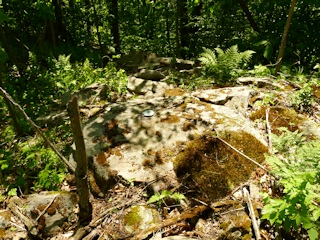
(178, 196)
(165, 193)
(316, 214)
(3, 16)
(4, 164)
(313, 234)
(31, 155)
(154, 198)
(298, 219)
(12, 192)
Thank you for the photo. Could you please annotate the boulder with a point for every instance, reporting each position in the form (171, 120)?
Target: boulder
(142, 87)
(53, 211)
(143, 148)
(150, 75)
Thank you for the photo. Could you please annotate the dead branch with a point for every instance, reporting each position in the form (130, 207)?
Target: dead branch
(13, 205)
(252, 215)
(85, 214)
(242, 154)
(270, 145)
(44, 210)
(38, 130)
(183, 216)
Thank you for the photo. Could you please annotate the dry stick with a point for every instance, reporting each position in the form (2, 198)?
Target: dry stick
(183, 216)
(38, 130)
(85, 206)
(270, 145)
(13, 206)
(252, 215)
(44, 210)
(242, 154)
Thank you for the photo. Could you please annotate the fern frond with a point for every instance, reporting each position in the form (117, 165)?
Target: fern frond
(219, 51)
(246, 55)
(208, 57)
(223, 65)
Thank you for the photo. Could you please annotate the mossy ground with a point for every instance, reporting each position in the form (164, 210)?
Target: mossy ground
(278, 117)
(214, 167)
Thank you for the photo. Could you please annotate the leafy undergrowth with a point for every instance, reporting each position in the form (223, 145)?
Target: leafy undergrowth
(296, 164)
(292, 211)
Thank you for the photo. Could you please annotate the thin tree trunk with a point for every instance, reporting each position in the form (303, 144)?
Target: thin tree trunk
(184, 29)
(284, 38)
(168, 27)
(97, 29)
(177, 28)
(37, 129)
(249, 16)
(12, 113)
(10, 52)
(114, 22)
(85, 214)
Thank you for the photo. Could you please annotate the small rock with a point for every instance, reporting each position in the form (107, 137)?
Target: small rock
(56, 209)
(140, 218)
(254, 191)
(150, 75)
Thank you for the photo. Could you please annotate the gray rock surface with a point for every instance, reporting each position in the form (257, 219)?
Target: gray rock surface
(122, 141)
(52, 210)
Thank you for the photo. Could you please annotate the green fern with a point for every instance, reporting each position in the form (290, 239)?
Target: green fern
(224, 65)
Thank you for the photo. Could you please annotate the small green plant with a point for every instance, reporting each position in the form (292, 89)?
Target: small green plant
(72, 77)
(224, 65)
(298, 167)
(260, 71)
(28, 164)
(268, 100)
(159, 198)
(302, 100)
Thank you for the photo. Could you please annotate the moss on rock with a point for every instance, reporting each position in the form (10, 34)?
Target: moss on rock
(214, 167)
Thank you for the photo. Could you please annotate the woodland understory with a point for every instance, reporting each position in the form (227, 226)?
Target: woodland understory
(50, 50)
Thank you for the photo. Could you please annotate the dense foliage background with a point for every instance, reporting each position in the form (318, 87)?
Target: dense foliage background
(52, 47)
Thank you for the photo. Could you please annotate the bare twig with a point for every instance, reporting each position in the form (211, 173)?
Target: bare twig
(168, 222)
(13, 206)
(200, 201)
(38, 130)
(242, 154)
(270, 145)
(233, 210)
(44, 210)
(16, 225)
(252, 215)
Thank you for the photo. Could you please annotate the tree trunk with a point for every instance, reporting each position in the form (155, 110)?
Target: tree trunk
(114, 22)
(12, 113)
(87, 5)
(249, 16)
(284, 38)
(184, 29)
(168, 26)
(177, 28)
(85, 214)
(193, 30)
(97, 29)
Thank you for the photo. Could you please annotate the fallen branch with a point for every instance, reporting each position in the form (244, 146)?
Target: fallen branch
(13, 205)
(38, 130)
(44, 210)
(183, 216)
(270, 145)
(242, 154)
(85, 206)
(252, 215)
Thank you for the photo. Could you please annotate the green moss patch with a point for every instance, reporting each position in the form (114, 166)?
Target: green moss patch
(214, 167)
(279, 117)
